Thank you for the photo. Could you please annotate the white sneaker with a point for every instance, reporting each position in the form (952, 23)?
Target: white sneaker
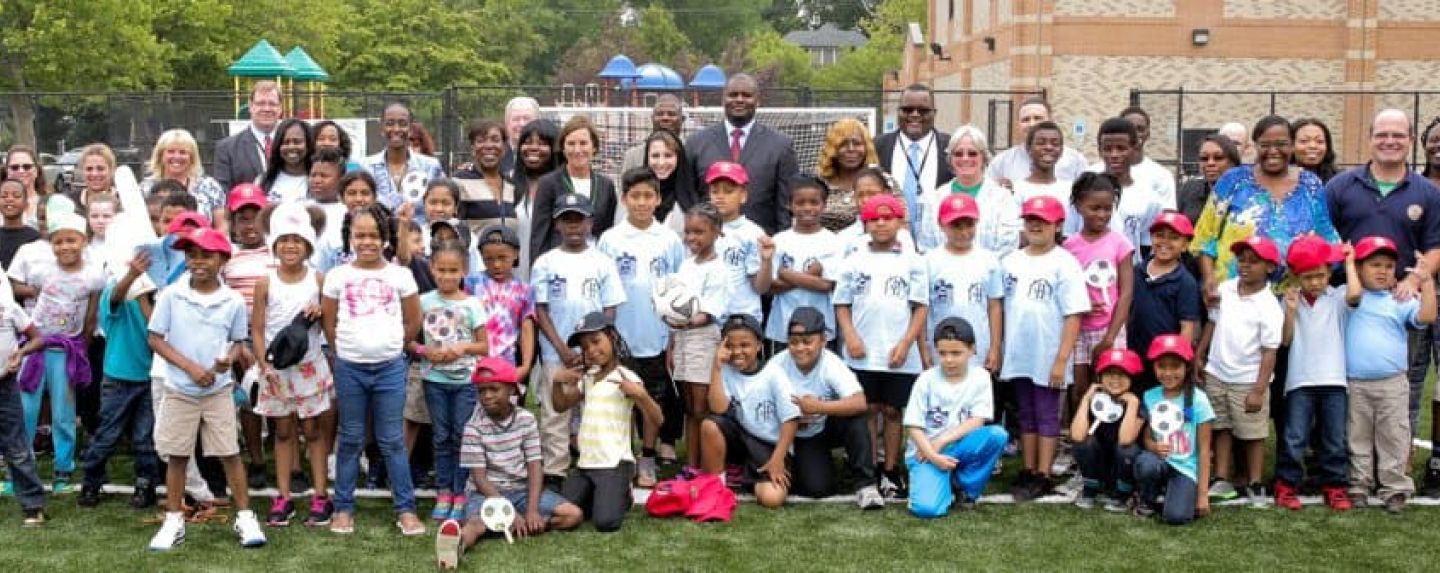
(1072, 486)
(869, 497)
(1062, 464)
(447, 545)
(248, 528)
(172, 532)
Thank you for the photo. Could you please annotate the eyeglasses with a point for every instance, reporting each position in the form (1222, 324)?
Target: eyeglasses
(907, 110)
(21, 166)
(1282, 144)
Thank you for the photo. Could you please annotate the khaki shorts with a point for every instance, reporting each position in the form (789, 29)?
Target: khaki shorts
(183, 417)
(693, 351)
(1228, 401)
(415, 408)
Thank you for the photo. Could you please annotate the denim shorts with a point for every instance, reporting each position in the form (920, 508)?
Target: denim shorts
(520, 498)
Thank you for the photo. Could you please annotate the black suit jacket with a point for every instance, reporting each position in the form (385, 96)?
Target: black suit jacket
(769, 160)
(885, 148)
(237, 160)
(548, 190)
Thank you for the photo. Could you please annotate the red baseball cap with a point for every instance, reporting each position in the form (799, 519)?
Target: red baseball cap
(1045, 208)
(729, 170)
(1310, 252)
(1263, 247)
(178, 225)
(882, 205)
(245, 195)
(1116, 358)
(209, 240)
(1177, 222)
(1172, 344)
(494, 369)
(958, 206)
(1373, 244)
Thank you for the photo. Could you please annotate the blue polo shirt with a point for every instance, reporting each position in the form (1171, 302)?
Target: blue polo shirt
(1375, 335)
(1409, 215)
(1159, 304)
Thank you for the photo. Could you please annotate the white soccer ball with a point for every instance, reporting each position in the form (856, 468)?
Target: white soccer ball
(1166, 419)
(674, 302)
(413, 186)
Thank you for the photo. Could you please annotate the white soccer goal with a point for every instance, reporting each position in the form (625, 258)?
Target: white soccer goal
(624, 127)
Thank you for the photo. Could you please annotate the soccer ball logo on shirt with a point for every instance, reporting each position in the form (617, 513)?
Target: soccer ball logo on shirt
(625, 265)
(862, 283)
(557, 288)
(941, 292)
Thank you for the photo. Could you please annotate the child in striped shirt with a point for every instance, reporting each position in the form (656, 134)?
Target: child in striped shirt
(611, 393)
(501, 450)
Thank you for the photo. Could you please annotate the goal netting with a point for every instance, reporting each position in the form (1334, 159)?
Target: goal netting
(624, 127)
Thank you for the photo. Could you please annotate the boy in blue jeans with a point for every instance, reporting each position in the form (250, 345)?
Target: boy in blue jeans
(951, 447)
(125, 400)
(13, 442)
(1375, 368)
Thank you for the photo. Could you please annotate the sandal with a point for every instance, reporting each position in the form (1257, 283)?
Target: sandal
(345, 528)
(417, 529)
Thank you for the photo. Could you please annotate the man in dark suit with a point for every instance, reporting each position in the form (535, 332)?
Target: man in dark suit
(241, 158)
(918, 163)
(767, 154)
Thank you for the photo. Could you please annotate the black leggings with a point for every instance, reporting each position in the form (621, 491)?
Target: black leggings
(604, 494)
(814, 472)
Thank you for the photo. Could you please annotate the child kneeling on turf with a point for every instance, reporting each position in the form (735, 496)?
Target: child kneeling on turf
(501, 449)
(1104, 435)
(752, 420)
(194, 328)
(1375, 366)
(1176, 460)
(951, 447)
(610, 394)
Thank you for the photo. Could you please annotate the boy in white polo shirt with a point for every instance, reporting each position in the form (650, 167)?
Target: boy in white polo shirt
(1241, 339)
(1315, 382)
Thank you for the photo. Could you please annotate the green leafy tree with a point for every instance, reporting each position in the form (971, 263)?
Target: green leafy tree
(711, 24)
(63, 45)
(775, 62)
(863, 67)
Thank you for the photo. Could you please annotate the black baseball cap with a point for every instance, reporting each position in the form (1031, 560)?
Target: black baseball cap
(573, 203)
(592, 322)
(806, 320)
(746, 321)
(462, 231)
(501, 234)
(955, 328)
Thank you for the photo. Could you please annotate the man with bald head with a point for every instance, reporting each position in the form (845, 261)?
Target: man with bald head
(518, 112)
(1385, 197)
(767, 154)
(1236, 132)
(669, 115)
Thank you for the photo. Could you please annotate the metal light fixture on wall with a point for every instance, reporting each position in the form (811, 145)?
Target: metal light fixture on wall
(1200, 36)
(938, 52)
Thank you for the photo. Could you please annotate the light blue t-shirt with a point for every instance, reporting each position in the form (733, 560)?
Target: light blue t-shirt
(829, 380)
(739, 248)
(880, 288)
(166, 263)
(1040, 291)
(1375, 335)
(963, 286)
(127, 346)
(571, 285)
(643, 257)
(760, 402)
(797, 252)
(938, 405)
(1184, 444)
(446, 322)
(198, 326)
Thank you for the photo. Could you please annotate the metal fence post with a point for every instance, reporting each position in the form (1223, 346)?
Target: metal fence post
(1415, 117)
(1180, 130)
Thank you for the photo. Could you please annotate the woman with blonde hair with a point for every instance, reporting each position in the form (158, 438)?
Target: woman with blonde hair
(176, 156)
(95, 173)
(848, 148)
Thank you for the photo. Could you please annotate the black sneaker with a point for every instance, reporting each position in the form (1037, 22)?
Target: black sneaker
(299, 483)
(257, 477)
(1040, 486)
(1431, 486)
(1020, 490)
(1395, 503)
(144, 496)
(89, 497)
(896, 483)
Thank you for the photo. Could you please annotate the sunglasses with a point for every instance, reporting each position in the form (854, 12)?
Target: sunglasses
(21, 166)
(907, 110)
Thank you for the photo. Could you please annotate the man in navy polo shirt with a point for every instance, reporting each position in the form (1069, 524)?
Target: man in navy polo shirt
(1385, 197)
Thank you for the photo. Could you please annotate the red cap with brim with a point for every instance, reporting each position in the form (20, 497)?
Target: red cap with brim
(207, 239)
(246, 195)
(495, 370)
(1263, 248)
(727, 170)
(958, 206)
(880, 206)
(1310, 252)
(1125, 360)
(1375, 244)
(185, 221)
(1045, 208)
(1176, 221)
(1172, 344)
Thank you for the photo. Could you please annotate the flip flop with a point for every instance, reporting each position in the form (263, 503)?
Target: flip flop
(342, 529)
(419, 529)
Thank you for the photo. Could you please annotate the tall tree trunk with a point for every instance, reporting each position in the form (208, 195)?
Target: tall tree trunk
(22, 105)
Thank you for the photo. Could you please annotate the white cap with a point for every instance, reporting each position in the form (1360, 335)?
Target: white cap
(64, 221)
(291, 219)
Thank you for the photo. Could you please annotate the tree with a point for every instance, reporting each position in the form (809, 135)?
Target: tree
(711, 24)
(846, 15)
(775, 62)
(391, 55)
(658, 36)
(864, 67)
(63, 45)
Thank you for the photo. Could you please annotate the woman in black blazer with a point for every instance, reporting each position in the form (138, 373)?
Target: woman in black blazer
(579, 142)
